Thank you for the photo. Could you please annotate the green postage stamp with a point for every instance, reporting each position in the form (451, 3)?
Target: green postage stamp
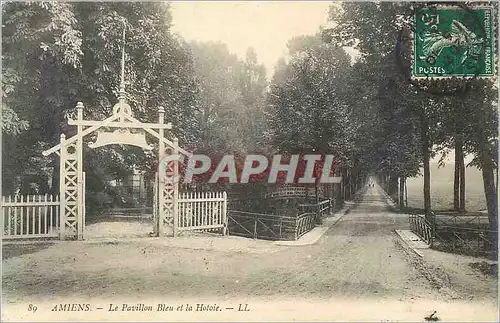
(454, 41)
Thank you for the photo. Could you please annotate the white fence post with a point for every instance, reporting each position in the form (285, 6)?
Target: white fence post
(224, 212)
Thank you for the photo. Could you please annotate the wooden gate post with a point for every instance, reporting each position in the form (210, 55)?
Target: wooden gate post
(155, 206)
(161, 177)
(62, 188)
(83, 202)
(175, 195)
(79, 164)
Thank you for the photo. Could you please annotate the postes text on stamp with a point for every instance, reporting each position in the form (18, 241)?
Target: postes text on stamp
(453, 41)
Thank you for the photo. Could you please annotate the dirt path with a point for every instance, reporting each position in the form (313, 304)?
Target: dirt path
(359, 260)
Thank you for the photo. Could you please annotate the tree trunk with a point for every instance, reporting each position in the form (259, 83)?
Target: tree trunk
(456, 179)
(491, 196)
(349, 186)
(459, 178)
(427, 171)
(353, 185)
(496, 178)
(401, 192)
(406, 194)
(490, 189)
(393, 186)
(340, 191)
(462, 178)
(345, 183)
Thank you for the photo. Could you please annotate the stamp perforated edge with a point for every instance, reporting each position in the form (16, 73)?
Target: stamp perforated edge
(472, 6)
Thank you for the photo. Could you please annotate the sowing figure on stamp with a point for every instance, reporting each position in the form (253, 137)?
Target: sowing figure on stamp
(460, 36)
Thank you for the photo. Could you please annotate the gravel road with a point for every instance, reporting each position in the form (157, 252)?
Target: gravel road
(359, 265)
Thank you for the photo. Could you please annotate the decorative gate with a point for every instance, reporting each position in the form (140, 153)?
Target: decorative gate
(128, 131)
(70, 152)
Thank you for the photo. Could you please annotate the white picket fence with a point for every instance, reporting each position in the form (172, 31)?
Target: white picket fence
(202, 211)
(31, 216)
(38, 216)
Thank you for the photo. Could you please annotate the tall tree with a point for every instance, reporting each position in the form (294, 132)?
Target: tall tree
(373, 29)
(309, 107)
(253, 86)
(232, 96)
(306, 106)
(61, 53)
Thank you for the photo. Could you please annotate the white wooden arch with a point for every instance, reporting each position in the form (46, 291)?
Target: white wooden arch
(71, 185)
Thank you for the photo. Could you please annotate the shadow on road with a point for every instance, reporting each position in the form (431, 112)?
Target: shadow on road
(16, 250)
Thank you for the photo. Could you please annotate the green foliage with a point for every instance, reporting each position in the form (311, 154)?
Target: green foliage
(369, 113)
(11, 124)
(405, 114)
(365, 112)
(56, 54)
(307, 108)
(231, 98)
(390, 127)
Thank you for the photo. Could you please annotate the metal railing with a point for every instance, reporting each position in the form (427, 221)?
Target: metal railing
(422, 228)
(457, 236)
(279, 227)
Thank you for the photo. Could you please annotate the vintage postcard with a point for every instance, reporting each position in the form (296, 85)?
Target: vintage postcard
(234, 161)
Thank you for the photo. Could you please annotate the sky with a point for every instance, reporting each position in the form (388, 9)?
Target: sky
(266, 26)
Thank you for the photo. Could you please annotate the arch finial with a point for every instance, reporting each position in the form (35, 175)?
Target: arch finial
(122, 107)
(122, 95)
